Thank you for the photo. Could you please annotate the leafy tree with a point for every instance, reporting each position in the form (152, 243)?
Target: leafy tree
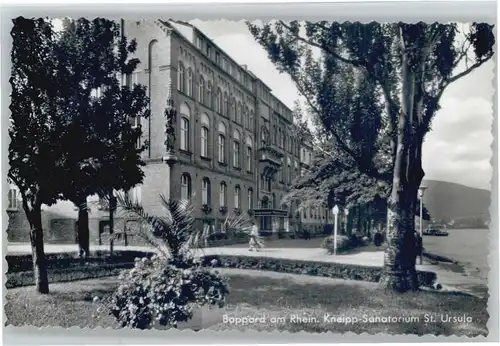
(35, 157)
(100, 140)
(411, 65)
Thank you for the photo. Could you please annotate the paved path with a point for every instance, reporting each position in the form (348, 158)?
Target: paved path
(369, 258)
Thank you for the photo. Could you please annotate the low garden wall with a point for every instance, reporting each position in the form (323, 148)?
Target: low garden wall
(325, 269)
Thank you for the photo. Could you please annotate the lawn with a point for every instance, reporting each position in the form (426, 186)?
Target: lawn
(257, 294)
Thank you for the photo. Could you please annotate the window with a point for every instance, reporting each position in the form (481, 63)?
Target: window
(135, 194)
(249, 155)
(205, 128)
(238, 113)
(201, 91)
(185, 187)
(184, 134)
(225, 108)
(205, 191)
(199, 43)
(218, 101)
(232, 110)
(250, 124)
(209, 51)
(185, 113)
(237, 196)
(289, 174)
(282, 171)
(217, 58)
(189, 82)
(222, 194)
(209, 95)
(246, 118)
(12, 196)
(222, 143)
(222, 148)
(236, 149)
(250, 199)
(181, 82)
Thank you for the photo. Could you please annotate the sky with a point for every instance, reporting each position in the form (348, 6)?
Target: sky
(458, 148)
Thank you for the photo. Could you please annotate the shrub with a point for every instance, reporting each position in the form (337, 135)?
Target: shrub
(343, 243)
(159, 291)
(366, 240)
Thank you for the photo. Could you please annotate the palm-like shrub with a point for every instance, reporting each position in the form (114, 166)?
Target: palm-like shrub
(166, 289)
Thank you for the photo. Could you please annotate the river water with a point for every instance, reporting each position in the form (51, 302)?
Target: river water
(470, 247)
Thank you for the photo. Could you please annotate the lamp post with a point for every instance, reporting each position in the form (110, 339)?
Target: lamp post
(335, 211)
(346, 212)
(421, 191)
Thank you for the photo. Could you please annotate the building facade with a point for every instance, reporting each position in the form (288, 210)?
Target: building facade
(234, 148)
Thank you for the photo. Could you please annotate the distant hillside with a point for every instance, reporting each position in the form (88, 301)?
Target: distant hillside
(449, 201)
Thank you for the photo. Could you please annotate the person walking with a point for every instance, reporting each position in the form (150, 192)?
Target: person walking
(255, 241)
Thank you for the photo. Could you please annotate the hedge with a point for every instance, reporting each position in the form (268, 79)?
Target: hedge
(325, 269)
(24, 262)
(68, 274)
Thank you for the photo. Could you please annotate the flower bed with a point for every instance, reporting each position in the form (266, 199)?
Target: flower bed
(332, 270)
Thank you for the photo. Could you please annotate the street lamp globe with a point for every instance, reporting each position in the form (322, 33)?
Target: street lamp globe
(335, 210)
(346, 211)
(421, 191)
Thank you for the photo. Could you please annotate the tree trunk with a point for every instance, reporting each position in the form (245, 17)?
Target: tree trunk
(83, 227)
(37, 250)
(399, 259)
(112, 207)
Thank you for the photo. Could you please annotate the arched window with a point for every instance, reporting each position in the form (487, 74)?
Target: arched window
(222, 195)
(222, 143)
(236, 149)
(189, 85)
(201, 91)
(205, 130)
(209, 95)
(185, 115)
(218, 101)
(205, 191)
(289, 170)
(225, 108)
(185, 187)
(237, 197)
(181, 78)
(249, 154)
(274, 201)
(250, 199)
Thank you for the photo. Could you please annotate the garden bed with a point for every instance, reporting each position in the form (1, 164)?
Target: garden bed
(313, 268)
